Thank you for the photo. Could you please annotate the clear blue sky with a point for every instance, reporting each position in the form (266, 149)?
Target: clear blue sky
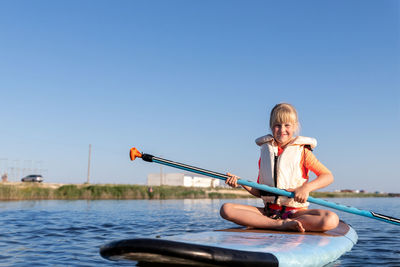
(194, 81)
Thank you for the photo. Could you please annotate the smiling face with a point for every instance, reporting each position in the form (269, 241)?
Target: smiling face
(283, 133)
(283, 123)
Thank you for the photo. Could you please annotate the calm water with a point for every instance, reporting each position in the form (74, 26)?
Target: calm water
(60, 233)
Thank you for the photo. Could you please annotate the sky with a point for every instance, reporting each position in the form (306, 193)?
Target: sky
(194, 82)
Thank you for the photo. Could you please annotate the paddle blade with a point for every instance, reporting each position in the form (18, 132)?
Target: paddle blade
(134, 153)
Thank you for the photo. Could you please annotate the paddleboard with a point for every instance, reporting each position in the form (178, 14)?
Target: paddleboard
(236, 247)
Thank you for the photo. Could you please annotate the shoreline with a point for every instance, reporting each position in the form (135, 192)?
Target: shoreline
(53, 191)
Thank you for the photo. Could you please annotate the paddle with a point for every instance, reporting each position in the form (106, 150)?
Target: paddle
(134, 153)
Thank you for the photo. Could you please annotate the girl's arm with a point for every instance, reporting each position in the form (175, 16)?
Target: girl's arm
(301, 193)
(324, 178)
(232, 181)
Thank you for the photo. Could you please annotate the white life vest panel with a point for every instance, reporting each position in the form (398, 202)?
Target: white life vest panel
(289, 171)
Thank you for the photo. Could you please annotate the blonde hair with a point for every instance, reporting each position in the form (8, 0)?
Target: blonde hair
(284, 113)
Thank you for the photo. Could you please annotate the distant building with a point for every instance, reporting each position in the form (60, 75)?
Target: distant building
(180, 179)
(348, 191)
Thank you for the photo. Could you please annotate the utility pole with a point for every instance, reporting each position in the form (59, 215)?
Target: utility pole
(88, 170)
(161, 176)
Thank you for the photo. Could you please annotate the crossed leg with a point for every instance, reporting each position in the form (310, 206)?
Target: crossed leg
(316, 220)
(303, 220)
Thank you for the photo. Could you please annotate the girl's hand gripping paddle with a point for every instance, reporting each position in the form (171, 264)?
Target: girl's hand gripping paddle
(134, 153)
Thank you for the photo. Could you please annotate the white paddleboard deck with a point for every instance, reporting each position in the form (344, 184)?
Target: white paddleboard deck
(237, 247)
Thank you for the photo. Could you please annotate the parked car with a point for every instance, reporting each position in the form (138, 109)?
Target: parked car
(33, 178)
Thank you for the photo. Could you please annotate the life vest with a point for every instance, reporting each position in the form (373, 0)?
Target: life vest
(288, 171)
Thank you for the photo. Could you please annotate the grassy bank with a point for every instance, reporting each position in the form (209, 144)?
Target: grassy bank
(349, 194)
(33, 191)
(110, 191)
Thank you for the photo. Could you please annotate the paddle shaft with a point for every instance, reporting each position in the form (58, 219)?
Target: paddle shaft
(274, 190)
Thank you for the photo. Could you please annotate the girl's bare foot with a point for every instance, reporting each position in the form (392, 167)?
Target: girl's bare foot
(292, 225)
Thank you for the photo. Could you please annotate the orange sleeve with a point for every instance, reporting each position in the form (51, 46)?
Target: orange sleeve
(312, 163)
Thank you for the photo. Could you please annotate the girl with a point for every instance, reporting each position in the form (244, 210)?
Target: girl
(284, 163)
